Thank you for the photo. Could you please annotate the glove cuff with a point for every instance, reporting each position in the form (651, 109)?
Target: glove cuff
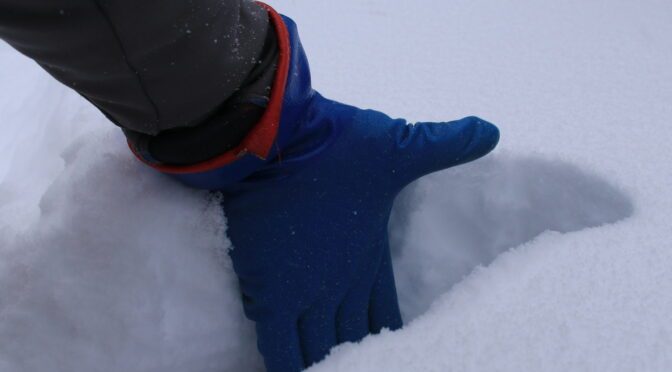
(258, 144)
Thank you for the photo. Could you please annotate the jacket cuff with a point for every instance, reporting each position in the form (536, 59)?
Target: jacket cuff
(259, 141)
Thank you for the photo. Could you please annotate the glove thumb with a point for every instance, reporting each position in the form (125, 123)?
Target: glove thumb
(423, 148)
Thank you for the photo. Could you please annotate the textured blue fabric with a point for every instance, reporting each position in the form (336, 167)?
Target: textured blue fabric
(309, 226)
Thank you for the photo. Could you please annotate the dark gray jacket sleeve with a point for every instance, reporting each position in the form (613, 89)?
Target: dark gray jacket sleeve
(149, 65)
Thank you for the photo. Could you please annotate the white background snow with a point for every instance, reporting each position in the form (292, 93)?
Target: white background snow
(554, 253)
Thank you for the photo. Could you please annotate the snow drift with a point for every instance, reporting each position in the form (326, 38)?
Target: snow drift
(551, 254)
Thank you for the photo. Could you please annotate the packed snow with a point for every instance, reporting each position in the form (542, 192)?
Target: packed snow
(553, 253)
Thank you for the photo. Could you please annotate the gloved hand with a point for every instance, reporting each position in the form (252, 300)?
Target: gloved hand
(308, 222)
(310, 231)
(309, 228)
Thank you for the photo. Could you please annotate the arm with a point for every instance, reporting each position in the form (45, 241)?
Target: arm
(153, 67)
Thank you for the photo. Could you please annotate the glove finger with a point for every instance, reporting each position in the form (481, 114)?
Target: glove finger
(279, 344)
(423, 148)
(383, 304)
(352, 320)
(317, 331)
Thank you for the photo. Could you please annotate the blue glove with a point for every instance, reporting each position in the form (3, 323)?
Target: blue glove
(308, 219)
(310, 232)
(309, 228)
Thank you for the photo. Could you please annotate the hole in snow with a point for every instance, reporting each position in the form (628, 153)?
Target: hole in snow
(448, 223)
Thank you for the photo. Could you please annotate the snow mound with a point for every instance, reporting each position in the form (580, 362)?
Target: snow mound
(124, 271)
(453, 221)
(134, 276)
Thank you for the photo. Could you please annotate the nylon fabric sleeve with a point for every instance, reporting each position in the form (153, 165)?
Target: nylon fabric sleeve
(149, 65)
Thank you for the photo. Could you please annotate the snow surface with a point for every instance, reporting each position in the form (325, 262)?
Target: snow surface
(552, 254)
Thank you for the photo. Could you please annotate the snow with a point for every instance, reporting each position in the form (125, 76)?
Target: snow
(551, 254)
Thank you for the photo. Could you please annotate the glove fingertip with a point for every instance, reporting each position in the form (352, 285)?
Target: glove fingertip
(485, 137)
